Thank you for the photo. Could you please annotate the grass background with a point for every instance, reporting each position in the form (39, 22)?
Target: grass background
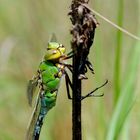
(25, 27)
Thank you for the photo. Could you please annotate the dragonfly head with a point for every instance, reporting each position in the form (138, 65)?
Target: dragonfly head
(54, 51)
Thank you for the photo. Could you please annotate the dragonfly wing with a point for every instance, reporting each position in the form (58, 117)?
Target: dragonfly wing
(33, 120)
(53, 38)
(31, 89)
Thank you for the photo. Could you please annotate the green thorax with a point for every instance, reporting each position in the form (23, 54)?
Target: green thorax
(48, 74)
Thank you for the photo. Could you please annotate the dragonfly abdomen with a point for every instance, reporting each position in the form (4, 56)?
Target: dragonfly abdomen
(39, 123)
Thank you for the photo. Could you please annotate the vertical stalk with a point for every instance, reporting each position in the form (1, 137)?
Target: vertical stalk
(118, 53)
(83, 29)
(76, 103)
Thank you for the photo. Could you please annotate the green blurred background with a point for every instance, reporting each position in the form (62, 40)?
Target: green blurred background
(25, 28)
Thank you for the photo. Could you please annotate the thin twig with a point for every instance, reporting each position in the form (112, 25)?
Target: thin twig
(112, 23)
(93, 95)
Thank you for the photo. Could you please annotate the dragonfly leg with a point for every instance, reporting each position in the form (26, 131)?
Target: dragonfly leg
(90, 94)
(89, 65)
(68, 84)
(69, 66)
(68, 56)
(87, 62)
(70, 53)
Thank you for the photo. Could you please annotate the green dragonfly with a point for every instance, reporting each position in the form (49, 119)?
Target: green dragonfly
(47, 78)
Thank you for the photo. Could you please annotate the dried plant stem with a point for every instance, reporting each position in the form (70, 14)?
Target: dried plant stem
(83, 29)
(76, 103)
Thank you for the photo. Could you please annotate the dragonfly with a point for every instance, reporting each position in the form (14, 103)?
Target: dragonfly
(47, 78)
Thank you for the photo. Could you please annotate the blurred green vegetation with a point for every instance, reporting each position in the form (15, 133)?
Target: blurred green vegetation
(25, 27)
